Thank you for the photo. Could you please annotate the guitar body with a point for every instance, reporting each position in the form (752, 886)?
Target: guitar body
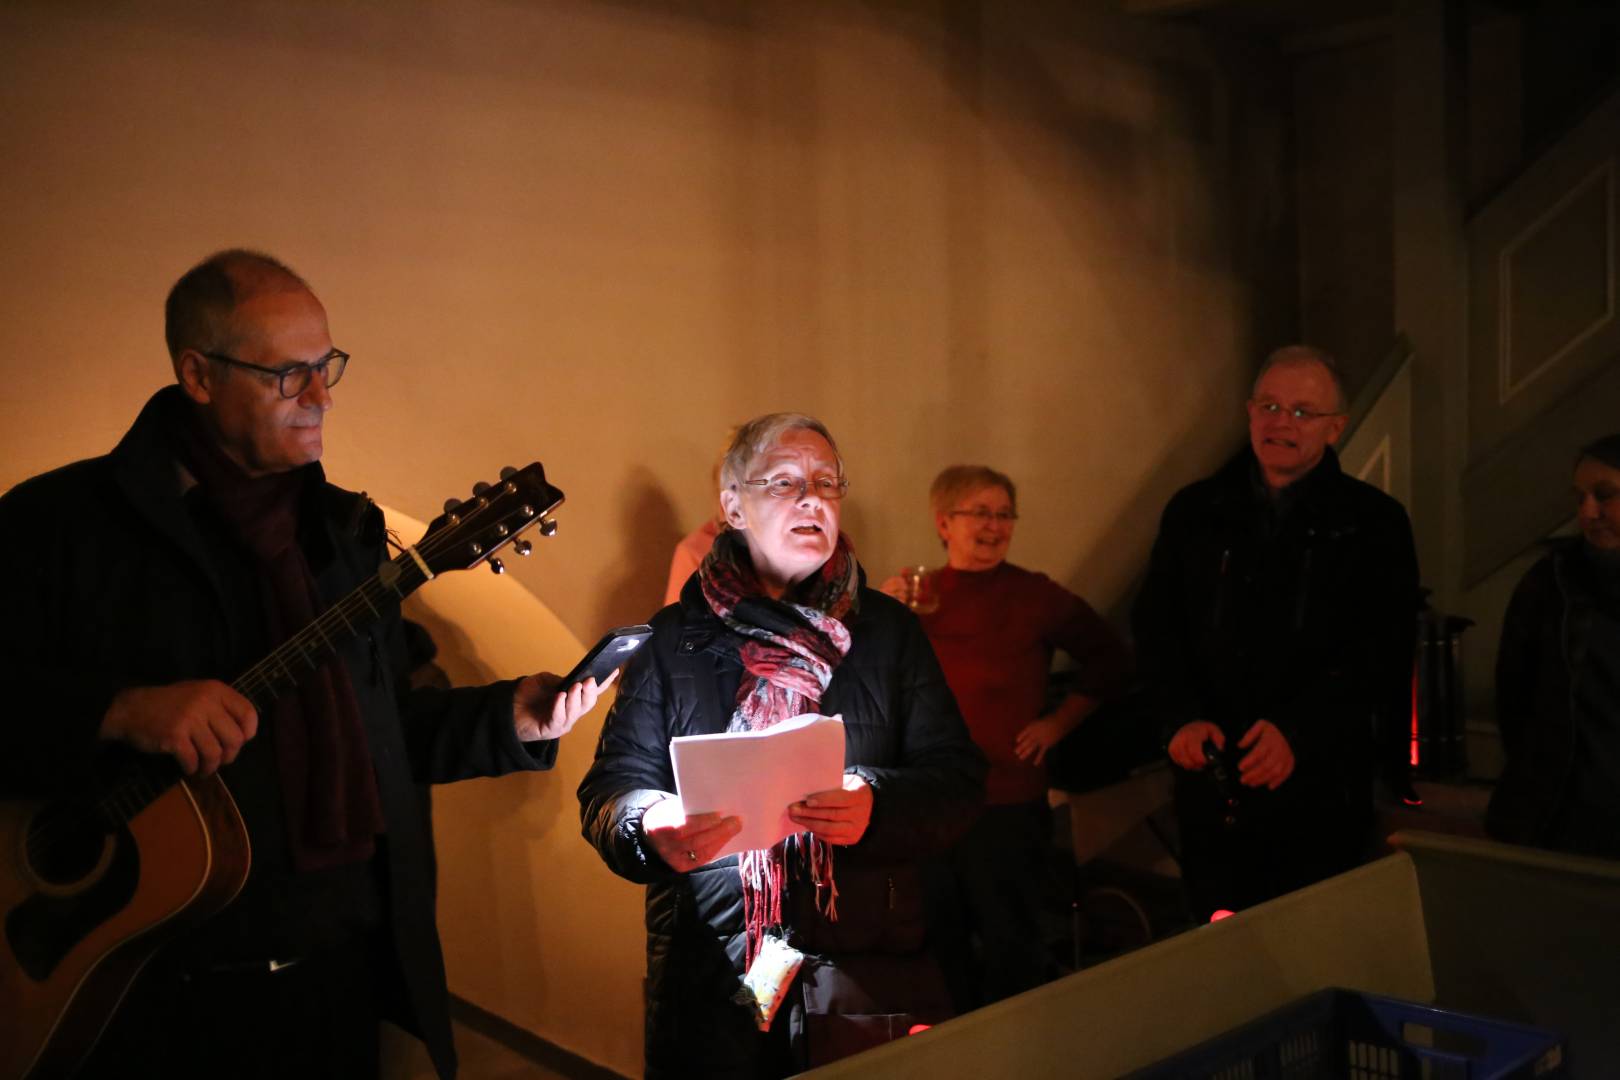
(76, 929)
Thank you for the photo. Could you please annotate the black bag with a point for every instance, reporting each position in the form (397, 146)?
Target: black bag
(858, 1001)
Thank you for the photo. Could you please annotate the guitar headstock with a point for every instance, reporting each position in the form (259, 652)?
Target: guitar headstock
(470, 532)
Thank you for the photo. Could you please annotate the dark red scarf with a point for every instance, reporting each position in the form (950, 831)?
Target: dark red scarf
(792, 648)
(328, 789)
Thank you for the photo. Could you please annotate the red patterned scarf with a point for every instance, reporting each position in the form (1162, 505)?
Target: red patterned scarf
(792, 648)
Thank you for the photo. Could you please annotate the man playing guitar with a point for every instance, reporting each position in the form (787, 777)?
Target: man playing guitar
(142, 583)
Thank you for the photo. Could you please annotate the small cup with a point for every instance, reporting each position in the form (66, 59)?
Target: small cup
(920, 594)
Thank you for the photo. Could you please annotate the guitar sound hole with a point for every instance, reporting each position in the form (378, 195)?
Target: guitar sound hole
(66, 844)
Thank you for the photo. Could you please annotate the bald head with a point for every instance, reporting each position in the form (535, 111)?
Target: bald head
(199, 313)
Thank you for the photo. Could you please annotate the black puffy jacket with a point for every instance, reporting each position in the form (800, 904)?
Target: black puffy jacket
(903, 734)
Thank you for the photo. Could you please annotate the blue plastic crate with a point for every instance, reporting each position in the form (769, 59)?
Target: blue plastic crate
(1346, 1035)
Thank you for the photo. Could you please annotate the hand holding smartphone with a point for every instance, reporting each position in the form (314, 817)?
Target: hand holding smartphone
(615, 648)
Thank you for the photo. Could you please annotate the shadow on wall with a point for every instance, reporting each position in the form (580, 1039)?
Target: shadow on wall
(648, 532)
(457, 657)
(1136, 525)
(1103, 147)
(505, 844)
(511, 813)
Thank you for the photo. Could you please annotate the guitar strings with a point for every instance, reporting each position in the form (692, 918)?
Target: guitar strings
(127, 797)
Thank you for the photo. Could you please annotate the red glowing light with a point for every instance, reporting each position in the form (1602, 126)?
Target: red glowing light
(1221, 914)
(1414, 717)
(916, 1029)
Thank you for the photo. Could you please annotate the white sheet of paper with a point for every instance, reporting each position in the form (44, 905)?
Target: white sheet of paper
(758, 774)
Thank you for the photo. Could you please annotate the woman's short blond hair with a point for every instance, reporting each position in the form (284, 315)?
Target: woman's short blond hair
(959, 481)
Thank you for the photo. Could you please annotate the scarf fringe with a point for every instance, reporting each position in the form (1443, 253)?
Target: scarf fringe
(762, 897)
(763, 873)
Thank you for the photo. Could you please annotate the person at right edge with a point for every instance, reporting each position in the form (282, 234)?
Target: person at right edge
(1558, 681)
(1276, 629)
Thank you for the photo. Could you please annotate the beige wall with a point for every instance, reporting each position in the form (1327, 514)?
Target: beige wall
(597, 233)
(1342, 124)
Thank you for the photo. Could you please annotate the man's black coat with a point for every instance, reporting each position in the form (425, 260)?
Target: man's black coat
(1300, 610)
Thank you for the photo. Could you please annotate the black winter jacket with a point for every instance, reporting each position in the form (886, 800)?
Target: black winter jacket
(1303, 614)
(1545, 653)
(119, 588)
(903, 734)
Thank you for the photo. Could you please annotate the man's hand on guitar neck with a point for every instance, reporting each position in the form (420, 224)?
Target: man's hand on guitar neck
(201, 724)
(540, 712)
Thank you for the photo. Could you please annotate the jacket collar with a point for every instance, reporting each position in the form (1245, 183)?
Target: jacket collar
(147, 470)
(1318, 495)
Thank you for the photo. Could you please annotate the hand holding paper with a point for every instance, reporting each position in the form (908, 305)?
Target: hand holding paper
(839, 816)
(686, 843)
(759, 775)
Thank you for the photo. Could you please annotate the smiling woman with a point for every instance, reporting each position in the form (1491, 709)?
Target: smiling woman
(995, 629)
(778, 622)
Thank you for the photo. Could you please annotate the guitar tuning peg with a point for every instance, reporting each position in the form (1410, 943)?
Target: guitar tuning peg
(480, 487)
(522, 547)
(450, 505)
(508, 472)
(548, 527)
(497, 567)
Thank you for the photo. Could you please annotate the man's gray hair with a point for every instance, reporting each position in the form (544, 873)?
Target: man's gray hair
(198, 313)
(758, 436)
(1305, 354)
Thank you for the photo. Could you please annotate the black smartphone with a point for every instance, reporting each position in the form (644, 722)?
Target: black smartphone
(614, 649)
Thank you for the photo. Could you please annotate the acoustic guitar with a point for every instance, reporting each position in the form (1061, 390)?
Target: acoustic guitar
(92, 886)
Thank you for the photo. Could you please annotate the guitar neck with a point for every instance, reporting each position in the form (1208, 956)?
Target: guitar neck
(307, 650)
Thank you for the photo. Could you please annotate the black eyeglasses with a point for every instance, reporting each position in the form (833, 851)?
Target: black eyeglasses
(293, 379)
(790, 487)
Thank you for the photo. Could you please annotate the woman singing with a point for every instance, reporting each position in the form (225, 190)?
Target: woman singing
(777, 623)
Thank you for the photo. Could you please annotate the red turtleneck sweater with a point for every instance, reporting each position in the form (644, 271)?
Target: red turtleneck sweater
(994, 633)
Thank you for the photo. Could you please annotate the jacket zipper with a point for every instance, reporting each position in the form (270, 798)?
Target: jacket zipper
(1303, 598)
(1222, 587)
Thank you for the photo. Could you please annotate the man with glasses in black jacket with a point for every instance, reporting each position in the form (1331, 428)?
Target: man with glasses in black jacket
(1276, 628)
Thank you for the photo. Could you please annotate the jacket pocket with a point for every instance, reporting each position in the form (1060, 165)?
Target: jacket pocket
(880, 909)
